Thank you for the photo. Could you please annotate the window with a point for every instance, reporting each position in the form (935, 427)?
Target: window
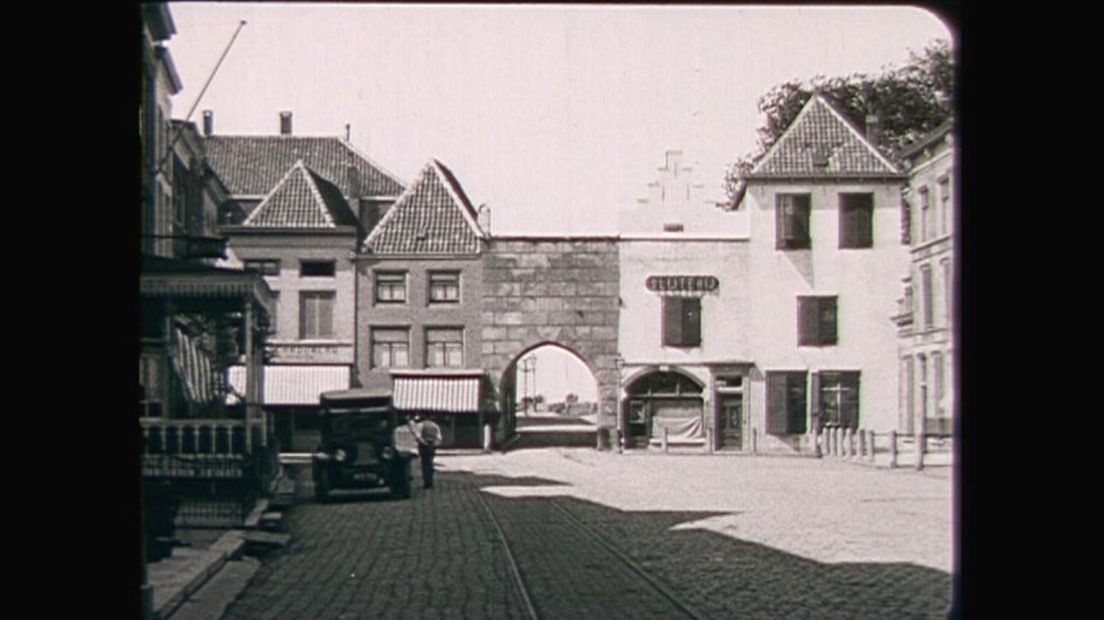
(856, 221)
(937, 383)
(444, 347)
(275, 312)
(390, 287)
(816, 321)
(263, 266)
(316, 314)
(390, 347)
(944, 205)
(786, 400)
(792, 225)
(906, 222)
(905, 406)
(926, 293)
(681, 321)
(836, 399)
(444, 287)
(927, 221)
(922, 362)
(317, 268)
(948, 308)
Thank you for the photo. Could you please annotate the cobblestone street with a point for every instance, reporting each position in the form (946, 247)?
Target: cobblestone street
(737, 537)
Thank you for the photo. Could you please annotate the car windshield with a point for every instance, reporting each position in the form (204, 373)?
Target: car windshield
(359, 426)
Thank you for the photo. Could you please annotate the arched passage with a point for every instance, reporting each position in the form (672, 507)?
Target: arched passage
(552, 378)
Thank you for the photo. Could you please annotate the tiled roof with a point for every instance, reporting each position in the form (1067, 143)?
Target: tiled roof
(252, 165)
(821, 133)
(433, 216)
(302, 199)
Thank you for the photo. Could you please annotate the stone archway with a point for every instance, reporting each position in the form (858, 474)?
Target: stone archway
(563, 291)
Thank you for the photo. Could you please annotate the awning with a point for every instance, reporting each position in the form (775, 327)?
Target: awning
(193, 367)
(295, 385)
(458, 393)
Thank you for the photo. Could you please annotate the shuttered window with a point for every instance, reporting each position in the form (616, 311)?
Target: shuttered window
(786, 399)
(792, 226)
(316, 314)
(856, 220)
(681, 321)
(816, 318)
(837, 399)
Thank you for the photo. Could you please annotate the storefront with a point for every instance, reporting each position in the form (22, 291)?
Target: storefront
(291, 396)
(456, 400)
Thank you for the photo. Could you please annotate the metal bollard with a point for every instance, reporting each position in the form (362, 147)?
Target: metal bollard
(862, 443)
(892, 449)
(488, 437)
(754, 441)
(665, 431)
(921, 444)
(835, 441)
(817, 437)
(871, 433)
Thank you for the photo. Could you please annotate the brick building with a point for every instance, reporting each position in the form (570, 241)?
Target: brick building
(419, 289)
(926, 317)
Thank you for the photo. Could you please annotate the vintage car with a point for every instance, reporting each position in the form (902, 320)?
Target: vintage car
(364, 445)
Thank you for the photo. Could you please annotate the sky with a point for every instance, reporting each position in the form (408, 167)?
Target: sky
(554, 116)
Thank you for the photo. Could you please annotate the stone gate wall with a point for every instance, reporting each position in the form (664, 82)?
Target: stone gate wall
(553, 290)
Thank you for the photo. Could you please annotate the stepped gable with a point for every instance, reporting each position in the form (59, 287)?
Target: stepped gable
(821, 143)
(433, 216)
(302, 199)
(253, 165)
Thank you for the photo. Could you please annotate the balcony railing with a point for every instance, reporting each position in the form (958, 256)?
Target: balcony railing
(200, 437)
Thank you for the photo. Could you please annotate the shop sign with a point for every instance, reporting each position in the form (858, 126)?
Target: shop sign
(693, 284)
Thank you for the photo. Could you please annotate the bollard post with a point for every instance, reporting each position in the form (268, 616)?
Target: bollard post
(892, 449)
(871, 434)
(921, 444)
(851, 442)
(709, 447)
(665, 431)
(846, 451)
(835, 441)
(816, 443)
(488, 437)
(862, 443)
(615, 439)
(754, 441)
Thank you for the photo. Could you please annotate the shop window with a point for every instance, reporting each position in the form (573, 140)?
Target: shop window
(316, 314)
(786, 400)
(681, 321)
(444, 347)
(856, 221)
(836, 395)
(444, 287)
(263, 266)
(317, 268)
(817, 321)
(390, 347)
(792, 224)
(390, 287)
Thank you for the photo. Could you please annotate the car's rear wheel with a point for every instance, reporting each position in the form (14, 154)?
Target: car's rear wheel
(322, 484)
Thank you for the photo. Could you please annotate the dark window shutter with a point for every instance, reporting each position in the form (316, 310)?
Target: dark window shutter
(826, 328)
(865, 238)
(849, 400)
(672, 321)
(802, 210)
(797, 400)
(846, 222)
(776, 403)
(691, 326)
(814, 409)
(806, 321)
(856, 220)
(781, 222)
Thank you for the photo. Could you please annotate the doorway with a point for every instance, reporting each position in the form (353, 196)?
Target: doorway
(730, 421)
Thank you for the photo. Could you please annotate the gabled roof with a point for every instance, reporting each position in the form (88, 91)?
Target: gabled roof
(819, 132)
(252, 165)
(433, 216)
(302, 199)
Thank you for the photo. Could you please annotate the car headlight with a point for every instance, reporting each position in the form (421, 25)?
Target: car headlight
(340, 455)
(387, 452)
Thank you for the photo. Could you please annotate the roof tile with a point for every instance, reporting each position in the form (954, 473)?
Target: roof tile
(433, 216)
(253, 165)
(820, 133)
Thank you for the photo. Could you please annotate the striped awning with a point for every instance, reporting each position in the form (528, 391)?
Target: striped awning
(295, 385)
(194, 368)
(441, 393)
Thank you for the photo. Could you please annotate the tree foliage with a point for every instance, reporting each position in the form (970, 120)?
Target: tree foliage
(907, 101)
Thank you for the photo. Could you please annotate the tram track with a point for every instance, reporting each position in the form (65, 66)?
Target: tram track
(614, 565)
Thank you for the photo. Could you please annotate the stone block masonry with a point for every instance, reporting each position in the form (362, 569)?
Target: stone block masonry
(562, 291)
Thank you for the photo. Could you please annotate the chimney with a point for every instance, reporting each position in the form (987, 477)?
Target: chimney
(285, 123)
(208, 122)
(484, 220)
(873, 129)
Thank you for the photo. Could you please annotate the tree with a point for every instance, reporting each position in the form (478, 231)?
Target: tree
(907, 101)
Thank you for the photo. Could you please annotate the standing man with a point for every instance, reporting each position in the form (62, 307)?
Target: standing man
(428, 435)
